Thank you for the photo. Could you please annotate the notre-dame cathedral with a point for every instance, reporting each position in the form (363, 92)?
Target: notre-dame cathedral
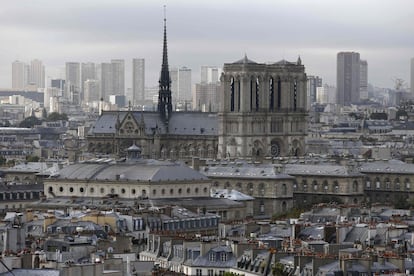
(262, 114)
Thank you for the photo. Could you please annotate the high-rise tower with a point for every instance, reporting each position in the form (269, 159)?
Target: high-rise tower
(138, 81)
(348, 78)
(20, 74)
(164, 93)
(412, 76)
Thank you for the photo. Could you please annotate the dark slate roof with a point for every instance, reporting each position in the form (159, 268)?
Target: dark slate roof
(32, 272)
(204, 261)
(244, 60)
(244, 171)
(322, 169)
(284, 62)
(180, 123)
(21, 188)
(391, 166)
(142, 170)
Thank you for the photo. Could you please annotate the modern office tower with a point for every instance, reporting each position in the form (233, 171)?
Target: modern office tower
(118, 100)
(106, 81)
(88, 72)
(412, 76)
(181, 84)
(51, 93)
(348, 78)
(19, 75)
(138, 81)
(205, 97)
(91, 91)
(184, 84)
(59, 84)
(326, 94)
(37, 74)
(118, 76)
(73, 80)
(312, 84)
(209, 74)
(363, 80)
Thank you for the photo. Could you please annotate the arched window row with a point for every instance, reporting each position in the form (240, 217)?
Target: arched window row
(263, 90)
(387, 183)
(123, 191)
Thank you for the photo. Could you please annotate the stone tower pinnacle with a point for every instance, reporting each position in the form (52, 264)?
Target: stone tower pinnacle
(164, 93)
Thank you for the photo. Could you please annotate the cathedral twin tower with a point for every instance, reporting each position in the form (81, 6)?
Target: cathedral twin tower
(263, 109)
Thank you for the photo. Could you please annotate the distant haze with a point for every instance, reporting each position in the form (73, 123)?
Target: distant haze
(209, 33)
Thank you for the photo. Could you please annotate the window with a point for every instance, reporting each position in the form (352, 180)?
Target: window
(112, 191)
(81, 189)
(91, 190)
(315, 185)
(180, 191)
(122, 191)
(171, 191)
(50, 189)
(223, 257)
(368, 183)
(284, 189)
(387, 184)
(133, 191)
(205, 190)
(60, 189)
(188, 190)
(377, 183)
(102, 190)
(261, 189)
(196, 190)
(210, 272)
(250, 188)
(71, 189)
(198, 272)
(163, 191)
(397, 184)
(355, 186)
(212, 257)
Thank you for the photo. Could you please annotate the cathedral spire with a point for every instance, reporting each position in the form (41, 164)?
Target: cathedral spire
(164, 93)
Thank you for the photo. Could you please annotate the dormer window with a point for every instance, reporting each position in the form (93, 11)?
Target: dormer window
(212, 257)
(223, 257)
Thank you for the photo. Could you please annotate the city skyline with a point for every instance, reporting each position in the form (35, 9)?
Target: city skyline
(207, 33)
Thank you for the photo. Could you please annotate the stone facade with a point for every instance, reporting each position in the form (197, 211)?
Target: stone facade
(262, 110)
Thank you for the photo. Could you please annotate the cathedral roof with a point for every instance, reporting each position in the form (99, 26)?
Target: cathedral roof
(284, 62)
(245, 60)
(181, 123)
(143, 170)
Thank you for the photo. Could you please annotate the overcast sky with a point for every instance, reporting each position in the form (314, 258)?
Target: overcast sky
(209, 32)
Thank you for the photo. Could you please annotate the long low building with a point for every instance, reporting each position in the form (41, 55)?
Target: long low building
(131, 178)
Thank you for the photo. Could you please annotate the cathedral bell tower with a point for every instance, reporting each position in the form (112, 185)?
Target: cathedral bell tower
(164, 93)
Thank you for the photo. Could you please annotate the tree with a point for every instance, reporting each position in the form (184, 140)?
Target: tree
(2, 160)
(32, 158)
(54, 116)
(30, 122)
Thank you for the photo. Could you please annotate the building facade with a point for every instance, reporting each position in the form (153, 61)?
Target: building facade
(412, 76)
(138, 81)
(348, 78)
(19, 75)
(262, 109)
(37, 74)
(73, 80)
